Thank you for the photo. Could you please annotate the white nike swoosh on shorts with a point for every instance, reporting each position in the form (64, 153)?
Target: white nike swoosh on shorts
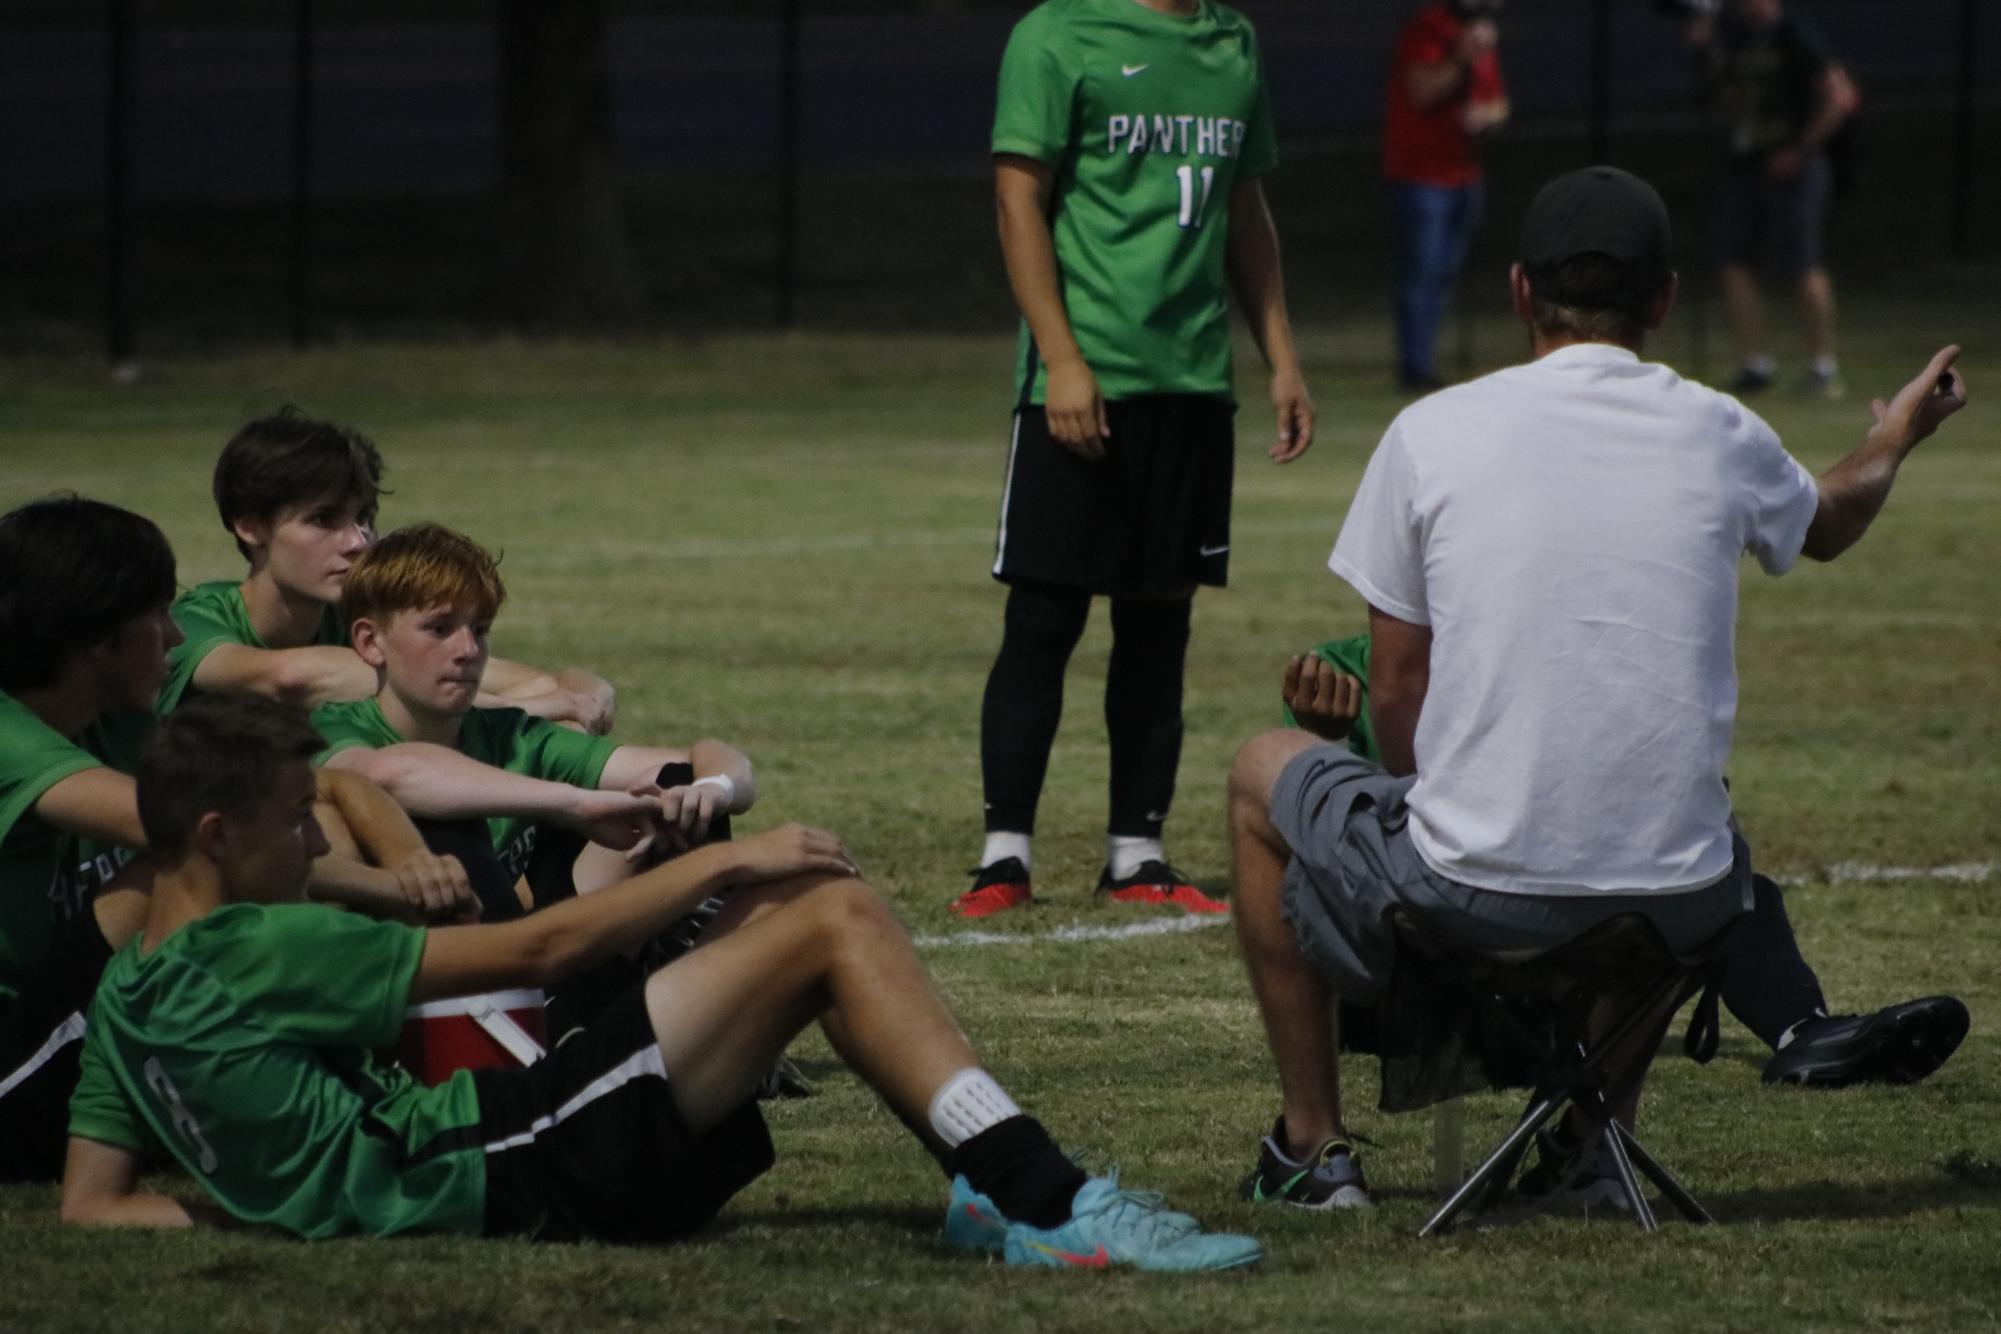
(1213, 551)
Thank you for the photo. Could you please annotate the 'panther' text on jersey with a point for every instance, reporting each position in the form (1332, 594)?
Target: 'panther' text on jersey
(1202, 136)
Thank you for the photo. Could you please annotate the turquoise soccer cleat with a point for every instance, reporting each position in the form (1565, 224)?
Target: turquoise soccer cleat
(1111, 1226)
(972, 1223)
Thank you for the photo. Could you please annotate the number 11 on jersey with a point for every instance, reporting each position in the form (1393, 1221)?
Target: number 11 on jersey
(1193, 206)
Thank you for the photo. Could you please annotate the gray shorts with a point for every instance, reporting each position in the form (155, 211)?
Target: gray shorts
(1347, 824)
(1773, 225)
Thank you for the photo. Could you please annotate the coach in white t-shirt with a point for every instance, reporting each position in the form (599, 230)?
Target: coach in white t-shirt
(1550, 558)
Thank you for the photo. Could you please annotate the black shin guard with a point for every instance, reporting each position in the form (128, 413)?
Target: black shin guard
(1762, 978)
(1024, 698)
(1143, 710)
(1017, 1166)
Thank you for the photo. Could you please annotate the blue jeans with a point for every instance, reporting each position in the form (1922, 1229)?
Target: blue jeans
(1434, 225)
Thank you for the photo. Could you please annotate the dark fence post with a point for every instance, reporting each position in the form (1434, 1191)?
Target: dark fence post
(121, 335)
(788, 161)
(302, 174)
(1963, 168)
(1601, 79)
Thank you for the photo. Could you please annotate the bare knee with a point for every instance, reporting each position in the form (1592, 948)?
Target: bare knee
(847, 909)
(1256, 769)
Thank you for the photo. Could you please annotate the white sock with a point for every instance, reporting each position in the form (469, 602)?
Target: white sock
(1125, 854)
(1005, 843)
(968, 1103)
(1825, 367)
(1762, 364)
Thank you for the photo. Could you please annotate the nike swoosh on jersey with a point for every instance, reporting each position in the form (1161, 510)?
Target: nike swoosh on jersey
(1214, 551)
(1130, 70)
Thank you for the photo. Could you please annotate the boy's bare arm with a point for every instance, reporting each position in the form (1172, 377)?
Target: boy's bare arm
(310, 676)
(437, 782)
(544, 947)
(571, 696)
(381, 865)
(98, 803)
(1852, 492)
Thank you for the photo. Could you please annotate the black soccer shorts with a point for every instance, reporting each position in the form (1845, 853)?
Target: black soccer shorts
(588, 1141)
(1151, 518)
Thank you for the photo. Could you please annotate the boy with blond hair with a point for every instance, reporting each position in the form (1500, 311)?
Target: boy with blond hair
(420, 605)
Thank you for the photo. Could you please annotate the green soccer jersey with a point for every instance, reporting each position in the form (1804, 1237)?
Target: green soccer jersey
(244, 1046)
(1351, 655)
(1149, 121)
(211, 615)
(504, 738)
(46, 875)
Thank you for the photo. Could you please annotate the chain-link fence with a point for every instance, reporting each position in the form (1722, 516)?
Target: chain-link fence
(332, 170)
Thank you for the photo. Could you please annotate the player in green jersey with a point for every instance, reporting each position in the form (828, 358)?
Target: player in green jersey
(299, 498)
(1763, 979)
(420, 604)
(1128, 143)
(237, 1031)
(84, 634)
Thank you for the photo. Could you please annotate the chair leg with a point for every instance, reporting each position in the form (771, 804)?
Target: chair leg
(1676, 1193)
(1499, 1167)
(1643, 1213)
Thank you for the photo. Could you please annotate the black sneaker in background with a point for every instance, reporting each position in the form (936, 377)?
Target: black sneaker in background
(1563, 1181)
(1899, 1044)
(1750, 380)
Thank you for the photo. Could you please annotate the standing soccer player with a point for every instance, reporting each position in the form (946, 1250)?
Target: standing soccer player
(1785, 97)
(1128, 143)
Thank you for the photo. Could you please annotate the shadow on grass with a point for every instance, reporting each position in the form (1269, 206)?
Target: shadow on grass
(922, 1222)
(1842, 1202)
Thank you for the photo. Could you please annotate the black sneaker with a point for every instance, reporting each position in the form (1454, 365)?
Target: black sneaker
(784, 1081)
(1562, 1181)
(1750, 380)
(1899, 1044)
(1330, 1178)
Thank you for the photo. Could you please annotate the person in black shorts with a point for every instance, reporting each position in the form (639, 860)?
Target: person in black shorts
(1128, 144)
(1785, 97)
(237, 1031)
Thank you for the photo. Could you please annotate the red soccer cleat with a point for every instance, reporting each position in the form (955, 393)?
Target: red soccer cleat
(996, 888)
(1155, 882)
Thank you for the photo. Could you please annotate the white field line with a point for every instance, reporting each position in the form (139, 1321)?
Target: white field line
(1153, 926)
(1846, 873)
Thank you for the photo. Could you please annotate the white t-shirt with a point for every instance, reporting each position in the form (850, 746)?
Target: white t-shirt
(1571, 530)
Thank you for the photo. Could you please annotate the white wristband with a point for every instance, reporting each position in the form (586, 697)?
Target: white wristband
(721, 781)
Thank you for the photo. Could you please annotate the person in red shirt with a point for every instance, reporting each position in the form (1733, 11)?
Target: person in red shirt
(1445, 95)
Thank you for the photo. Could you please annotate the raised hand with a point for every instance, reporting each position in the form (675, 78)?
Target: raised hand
(1920, 406)
(1324, 700)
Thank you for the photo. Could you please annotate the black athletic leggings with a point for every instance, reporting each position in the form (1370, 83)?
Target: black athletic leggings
(1024, 703)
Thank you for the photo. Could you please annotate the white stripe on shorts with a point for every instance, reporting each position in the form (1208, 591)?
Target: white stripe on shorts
(68, 1031)
(1007, 489)
(641, 1064)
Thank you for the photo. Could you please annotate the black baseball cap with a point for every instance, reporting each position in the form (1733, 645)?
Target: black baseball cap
(1598, 211)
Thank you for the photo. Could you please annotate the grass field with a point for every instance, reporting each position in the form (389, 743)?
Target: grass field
(783, 541)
